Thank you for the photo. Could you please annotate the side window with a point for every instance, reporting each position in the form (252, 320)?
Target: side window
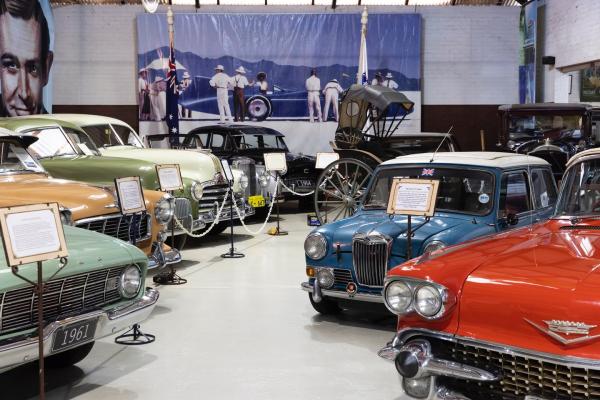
(514, 194)
(218, 141)
(202, 140)
(544, 189)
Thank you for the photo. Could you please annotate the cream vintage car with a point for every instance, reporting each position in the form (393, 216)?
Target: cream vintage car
(115, 138)
(23, 181)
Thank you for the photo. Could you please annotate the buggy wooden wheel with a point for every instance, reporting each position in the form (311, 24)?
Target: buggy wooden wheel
(340, 188)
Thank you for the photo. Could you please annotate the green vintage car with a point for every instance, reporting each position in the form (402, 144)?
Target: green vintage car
(99, 292)
(67, 152)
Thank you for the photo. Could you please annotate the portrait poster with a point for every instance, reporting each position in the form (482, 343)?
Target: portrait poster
(590, 84)
(273, 56)
(27, 40)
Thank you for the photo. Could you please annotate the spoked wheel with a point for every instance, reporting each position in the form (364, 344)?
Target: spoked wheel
(340, 188)
(258, 108)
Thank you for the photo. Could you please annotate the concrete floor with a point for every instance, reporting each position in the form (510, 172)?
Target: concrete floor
(240, 329)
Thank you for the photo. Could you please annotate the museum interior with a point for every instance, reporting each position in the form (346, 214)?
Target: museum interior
(196, 204)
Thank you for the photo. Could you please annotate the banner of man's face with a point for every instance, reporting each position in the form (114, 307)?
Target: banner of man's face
(26, 54)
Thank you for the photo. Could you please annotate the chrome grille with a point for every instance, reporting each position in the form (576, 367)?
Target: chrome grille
(117, 226)
(248, 167)
(213, 194)
(62, 297)
(370, 259)
(183, 208)
(342, 276)
(520, 376)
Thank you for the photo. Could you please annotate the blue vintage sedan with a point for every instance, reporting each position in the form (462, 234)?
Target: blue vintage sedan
(480, 193)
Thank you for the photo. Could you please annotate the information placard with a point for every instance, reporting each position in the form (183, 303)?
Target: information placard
(413, 197)
(324, 159)
(275, 162)
(32, 233)
(130, 195)
(169, 177)
(227, 170)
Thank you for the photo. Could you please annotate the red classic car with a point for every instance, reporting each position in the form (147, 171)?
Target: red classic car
(508, 316)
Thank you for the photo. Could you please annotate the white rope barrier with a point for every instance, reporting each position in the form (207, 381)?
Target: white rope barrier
(215, 222)
(296, 193)
(264, 224)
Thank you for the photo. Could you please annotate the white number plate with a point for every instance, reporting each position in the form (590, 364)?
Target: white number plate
(74, 334)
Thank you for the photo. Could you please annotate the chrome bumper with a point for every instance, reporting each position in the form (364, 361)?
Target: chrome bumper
(372, 298)
(160, 258)
(109, 322)
(209, 217)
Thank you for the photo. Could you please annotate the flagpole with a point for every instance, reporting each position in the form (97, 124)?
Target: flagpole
(363, 69)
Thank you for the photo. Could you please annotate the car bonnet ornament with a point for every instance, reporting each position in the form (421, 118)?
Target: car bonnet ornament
(558, 329)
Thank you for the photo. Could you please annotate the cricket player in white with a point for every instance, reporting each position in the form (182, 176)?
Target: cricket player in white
(332, 94)
(389, 82)
(221, 81)
(313, 87)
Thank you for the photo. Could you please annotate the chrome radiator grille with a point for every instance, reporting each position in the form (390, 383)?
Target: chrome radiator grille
(213, 194)
(117, 226)
(370, 259)
(183, 208)
(520, 376)
(248, 166)
(62, 297)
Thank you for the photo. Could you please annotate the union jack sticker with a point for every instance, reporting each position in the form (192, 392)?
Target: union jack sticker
(428, 172)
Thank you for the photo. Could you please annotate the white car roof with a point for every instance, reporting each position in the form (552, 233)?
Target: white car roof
(475, 158)
(84, 119)
(591, 153)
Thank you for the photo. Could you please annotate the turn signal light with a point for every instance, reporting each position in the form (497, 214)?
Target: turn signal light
(310, 272)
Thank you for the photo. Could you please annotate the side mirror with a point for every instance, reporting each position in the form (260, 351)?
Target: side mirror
(512, 219)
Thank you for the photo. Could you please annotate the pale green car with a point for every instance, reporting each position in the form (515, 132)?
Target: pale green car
(98, 293)
(74, 155)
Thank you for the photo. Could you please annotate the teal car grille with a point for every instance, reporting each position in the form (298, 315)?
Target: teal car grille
(62, 297)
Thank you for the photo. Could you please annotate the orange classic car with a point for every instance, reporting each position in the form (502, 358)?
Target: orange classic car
(510, 316)
(24, 181)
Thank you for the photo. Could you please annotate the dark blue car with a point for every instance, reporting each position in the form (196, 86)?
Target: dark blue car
(480, 193)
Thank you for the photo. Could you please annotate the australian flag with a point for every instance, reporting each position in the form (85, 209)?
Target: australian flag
(172, 117)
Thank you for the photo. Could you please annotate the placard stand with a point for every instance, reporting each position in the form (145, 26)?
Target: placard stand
(45, 220)
(229, 175)
(412, 197)
(277, 231)
(169, 178)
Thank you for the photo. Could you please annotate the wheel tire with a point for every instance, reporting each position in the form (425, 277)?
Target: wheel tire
(258, 108)
(69, 357)
(326, 306)
(178, 241)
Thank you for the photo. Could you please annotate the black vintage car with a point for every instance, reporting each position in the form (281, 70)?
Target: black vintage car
(238, 142)
(552, 131)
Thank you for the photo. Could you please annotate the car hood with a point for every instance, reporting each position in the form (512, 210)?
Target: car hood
(83, 200)
(88, 251)
(379, 222)
(511, 287)
(101, 170)
(197, 165)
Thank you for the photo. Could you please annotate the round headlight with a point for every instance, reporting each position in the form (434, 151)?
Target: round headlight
(325, 278)
(315, 246)
(164, 210)
(434, 245)
(197, 191)
(428, 301)
(244, 181)
(398, 297)
(130, 282)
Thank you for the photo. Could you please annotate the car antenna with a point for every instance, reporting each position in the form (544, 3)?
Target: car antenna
(440, 145)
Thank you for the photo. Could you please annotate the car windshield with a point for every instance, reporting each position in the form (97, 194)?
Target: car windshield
(548, 126)
(257, 139)
(461, 190)
(106, 135)
(580, 195)
(416, 145)
(51, 142)
(14, 158)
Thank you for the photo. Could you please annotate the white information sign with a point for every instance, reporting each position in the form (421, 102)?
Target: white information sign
(227, 170)
(413, 197)
(275, 162)
(32, 233)
(169, 177)
(131, 197)
(324, 159)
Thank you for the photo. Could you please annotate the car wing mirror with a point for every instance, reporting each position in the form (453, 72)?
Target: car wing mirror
(512, 219)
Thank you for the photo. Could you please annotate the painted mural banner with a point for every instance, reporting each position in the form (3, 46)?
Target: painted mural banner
(590, 84)
(285, 69)
(26, 54)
